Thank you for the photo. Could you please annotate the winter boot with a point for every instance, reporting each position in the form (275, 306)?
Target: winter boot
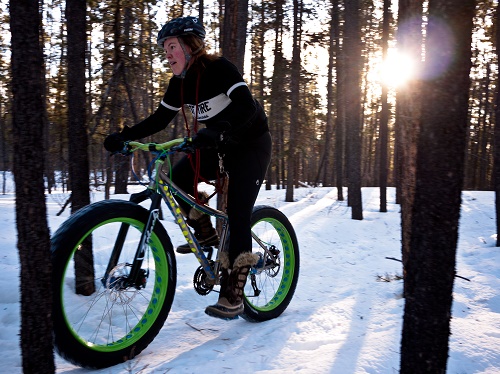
(204, 231)
(230, 303)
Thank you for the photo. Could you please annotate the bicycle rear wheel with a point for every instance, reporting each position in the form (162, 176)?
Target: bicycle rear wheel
(115, 320)
(272, 282)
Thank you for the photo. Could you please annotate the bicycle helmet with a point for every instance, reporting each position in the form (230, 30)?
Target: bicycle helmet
(181, 26)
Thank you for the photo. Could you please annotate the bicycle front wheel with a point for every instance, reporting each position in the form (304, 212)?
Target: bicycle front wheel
(100, 318)
(272, 282)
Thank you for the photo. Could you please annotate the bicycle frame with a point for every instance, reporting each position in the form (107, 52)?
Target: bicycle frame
(161, 187)
(168, 190)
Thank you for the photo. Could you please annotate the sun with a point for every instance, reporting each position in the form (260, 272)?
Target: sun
(396, 70)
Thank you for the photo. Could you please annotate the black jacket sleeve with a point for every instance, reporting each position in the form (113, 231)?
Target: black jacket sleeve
(244, 114)
(151, 125)
(247, 118)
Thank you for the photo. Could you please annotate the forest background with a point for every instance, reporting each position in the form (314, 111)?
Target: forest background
(127, 76)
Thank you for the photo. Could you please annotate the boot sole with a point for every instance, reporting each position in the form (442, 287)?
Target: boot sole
(212, 314)
(185, 250)
(223, 313)
(210, 242)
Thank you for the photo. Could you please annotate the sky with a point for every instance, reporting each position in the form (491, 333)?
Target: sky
(346, 314)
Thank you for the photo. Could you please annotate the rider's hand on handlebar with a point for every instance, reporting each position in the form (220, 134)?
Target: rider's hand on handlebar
(208, 139)
(114, 142)
(186, 146)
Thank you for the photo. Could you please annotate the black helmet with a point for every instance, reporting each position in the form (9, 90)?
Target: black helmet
(181, 26)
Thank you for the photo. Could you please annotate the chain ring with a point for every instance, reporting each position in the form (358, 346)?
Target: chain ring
(201, 286)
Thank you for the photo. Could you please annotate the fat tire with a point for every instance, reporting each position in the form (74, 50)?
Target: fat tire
(290, 262)
(67, 340)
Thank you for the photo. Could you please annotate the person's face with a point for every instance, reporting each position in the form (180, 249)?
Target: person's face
(175, 55)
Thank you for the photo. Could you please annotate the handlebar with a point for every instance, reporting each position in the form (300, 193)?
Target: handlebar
(175, 145)
(161, 149)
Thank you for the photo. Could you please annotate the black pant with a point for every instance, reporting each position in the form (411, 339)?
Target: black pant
(246, 166)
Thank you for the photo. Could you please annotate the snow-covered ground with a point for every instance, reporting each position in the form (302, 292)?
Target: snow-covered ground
(346, 316)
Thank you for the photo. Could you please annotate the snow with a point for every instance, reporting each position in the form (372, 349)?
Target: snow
(345, 317)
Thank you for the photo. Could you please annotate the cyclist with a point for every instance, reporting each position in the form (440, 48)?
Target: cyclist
(236, 131)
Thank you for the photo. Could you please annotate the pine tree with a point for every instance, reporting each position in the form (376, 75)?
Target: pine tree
(31, 213)
(430, 268)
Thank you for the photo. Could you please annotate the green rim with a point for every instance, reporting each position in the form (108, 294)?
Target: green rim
(155, 304)
(288, 266)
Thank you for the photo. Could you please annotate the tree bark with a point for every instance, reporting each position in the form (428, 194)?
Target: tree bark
(121, 163)
(497, 131)
(384, 115)
(324, 163)
(278, 98)
(294, 126)
(352, 47)
(408, 112)
(77, 135)
(3, 145)
(31, 214)
(440, 166)
(234, 31)
(339, 101)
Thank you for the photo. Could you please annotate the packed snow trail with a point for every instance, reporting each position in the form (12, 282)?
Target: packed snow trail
(345, 317)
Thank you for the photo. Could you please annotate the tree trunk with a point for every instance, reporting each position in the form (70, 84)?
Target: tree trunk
(384, 115)
(324, 163)
(117, 103)
(295, 97)
(430, 269)
(497, 131)
(31, 215)
(486, 131)
(3, 145)
(408, 113)
(352, 47)
(234, 31)
(278, 99)
(77, 135)
(339, 101)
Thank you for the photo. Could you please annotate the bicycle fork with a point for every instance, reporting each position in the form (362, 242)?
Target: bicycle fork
(137, 276)
(268, 261)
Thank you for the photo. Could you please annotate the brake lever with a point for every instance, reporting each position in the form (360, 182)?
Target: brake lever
(125, 151)
(186, 146)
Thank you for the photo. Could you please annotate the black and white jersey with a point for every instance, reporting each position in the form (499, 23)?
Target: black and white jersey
(218, 94)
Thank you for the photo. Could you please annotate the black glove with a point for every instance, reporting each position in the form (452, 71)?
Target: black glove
(115, 142)
(208, 139)
(186, 146)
